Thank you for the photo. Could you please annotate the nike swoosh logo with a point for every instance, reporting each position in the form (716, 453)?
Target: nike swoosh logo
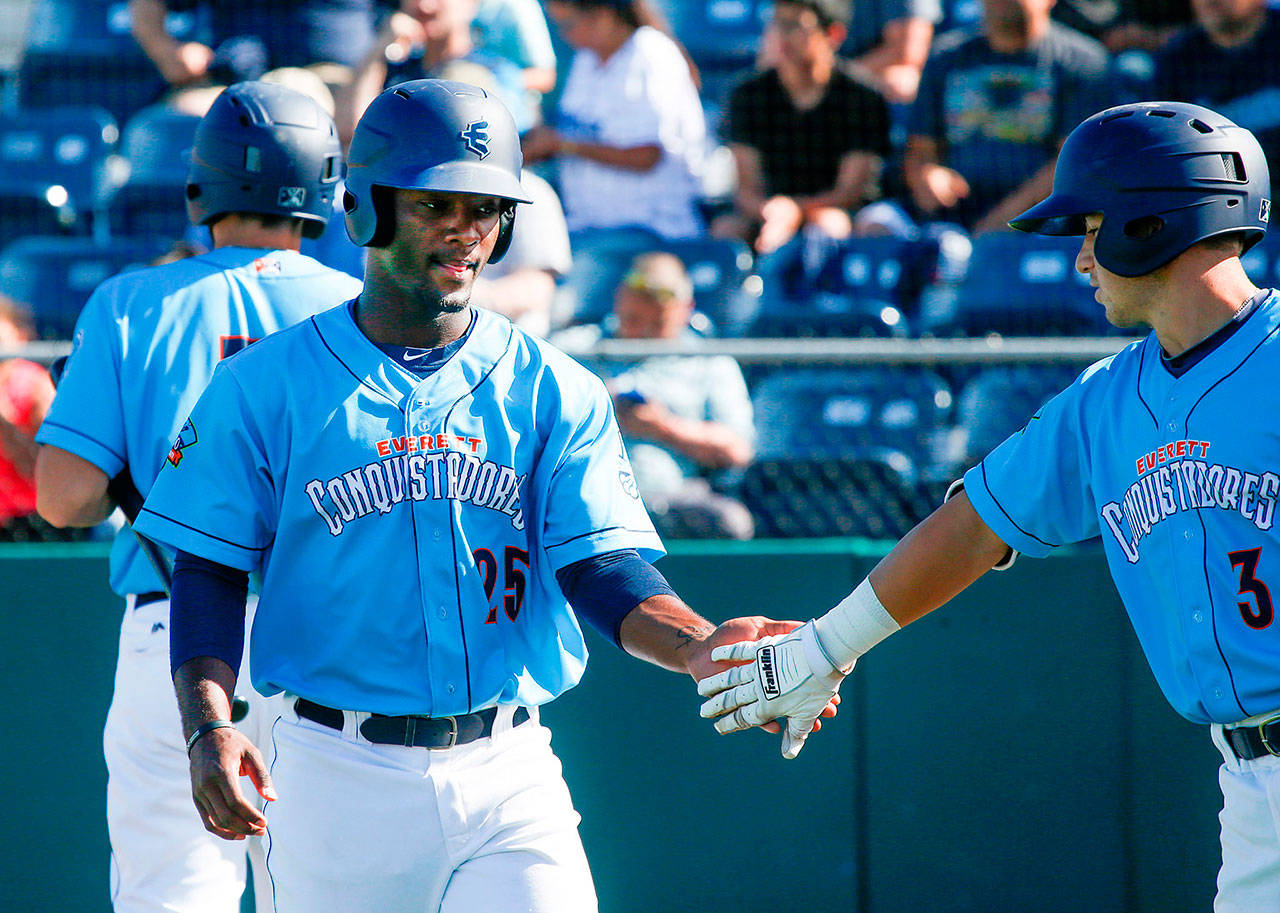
(407, 357)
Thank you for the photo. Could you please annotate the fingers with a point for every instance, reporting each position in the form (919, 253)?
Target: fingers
(743, 696)
(729, 678)
(793, 737)
(253, 767)
(743, 651)
(216, 765)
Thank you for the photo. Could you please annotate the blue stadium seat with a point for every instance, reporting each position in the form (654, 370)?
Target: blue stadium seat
(718, 34)
(144, 209)
(869, 496)
(82, 51)
(860, 286)
(844, 412)
(37, 212)
(156, 144)
(998, 401)
(725, 289)
(69, 147)
(55, 275)
(1022, 285)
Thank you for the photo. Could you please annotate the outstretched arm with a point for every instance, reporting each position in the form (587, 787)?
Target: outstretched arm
(794, 675)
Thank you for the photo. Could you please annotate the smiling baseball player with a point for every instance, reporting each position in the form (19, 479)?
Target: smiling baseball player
(263, 173)
(1167, 450)
(424, 489)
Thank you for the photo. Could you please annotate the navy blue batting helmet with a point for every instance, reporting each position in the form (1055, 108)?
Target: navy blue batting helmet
(265, 149)
(431, 134)
(1164, 175)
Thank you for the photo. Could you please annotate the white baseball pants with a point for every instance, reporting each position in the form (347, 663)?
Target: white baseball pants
(487, 826)
(1249, 880)
(162, 858)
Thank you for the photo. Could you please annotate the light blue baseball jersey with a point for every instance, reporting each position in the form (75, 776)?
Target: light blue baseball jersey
(1180, 477)
(407, 530)
(145, 346)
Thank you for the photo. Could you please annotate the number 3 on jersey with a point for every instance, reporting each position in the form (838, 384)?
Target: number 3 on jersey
(513, 579)
(1260, 612)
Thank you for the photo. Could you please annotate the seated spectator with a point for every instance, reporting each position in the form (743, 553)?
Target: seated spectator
(994, 108)
(808, 138)
(430, 39)
(522, 285)
(251, 37)
(25, 395)
(684, 417)
(888, 43)
(629, 135)
(517, 31)
(1146, 25)
(1227, 60)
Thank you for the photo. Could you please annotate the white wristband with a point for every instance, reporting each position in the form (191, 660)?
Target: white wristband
(854, 626)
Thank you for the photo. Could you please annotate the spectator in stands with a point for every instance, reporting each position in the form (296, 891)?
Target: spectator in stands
(1227, 60)
(994, 108)
(517, 31)
(888, 43)
(251, 37)
(808, 137)
(629, 135)
(25, 395)
(684, 417)
(429, 39)
(522, 285)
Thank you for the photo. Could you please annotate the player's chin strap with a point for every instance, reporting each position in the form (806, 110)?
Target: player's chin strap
(1010, 556)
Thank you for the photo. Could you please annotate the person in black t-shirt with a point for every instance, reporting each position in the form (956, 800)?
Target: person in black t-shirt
(808, 139)
(1227, 61)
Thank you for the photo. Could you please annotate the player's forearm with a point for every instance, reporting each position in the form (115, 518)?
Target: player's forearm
(940, 557)
(664, 631)
(70, 491)
(204, 687)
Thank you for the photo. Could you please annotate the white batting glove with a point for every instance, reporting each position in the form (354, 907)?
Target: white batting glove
(787, 675)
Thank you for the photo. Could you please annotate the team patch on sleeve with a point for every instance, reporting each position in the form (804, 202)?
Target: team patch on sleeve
(186, 437)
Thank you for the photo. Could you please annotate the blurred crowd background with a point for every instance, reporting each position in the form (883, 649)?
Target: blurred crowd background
(757, 221)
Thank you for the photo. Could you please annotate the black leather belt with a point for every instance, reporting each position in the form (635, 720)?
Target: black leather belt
(413, 731)
(1250, 742)
(147, 598)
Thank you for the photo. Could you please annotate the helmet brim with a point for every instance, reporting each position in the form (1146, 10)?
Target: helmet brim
(1054, 215)
(463, 177)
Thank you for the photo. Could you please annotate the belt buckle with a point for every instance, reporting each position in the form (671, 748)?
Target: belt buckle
(453, 732)
(1272, 750)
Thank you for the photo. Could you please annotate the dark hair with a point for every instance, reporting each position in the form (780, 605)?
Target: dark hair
(637, 13)
(829, 12)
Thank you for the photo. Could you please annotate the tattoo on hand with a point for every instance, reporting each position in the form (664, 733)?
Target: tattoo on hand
(692, 634)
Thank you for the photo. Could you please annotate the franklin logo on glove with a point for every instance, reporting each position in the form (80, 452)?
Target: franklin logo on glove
(768, 673)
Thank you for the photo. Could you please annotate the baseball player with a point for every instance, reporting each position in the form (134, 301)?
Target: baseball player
(263, 170)
(424, 489)
(1168, 451)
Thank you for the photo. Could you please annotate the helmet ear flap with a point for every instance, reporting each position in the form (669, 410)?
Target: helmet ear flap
(506, 223)
(381, 212)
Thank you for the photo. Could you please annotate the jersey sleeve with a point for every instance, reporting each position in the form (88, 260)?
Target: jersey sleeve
(1034, 490)
(87, 415)
(215, 495)
(592, 500)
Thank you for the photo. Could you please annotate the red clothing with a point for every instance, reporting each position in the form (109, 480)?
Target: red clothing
(25, 391)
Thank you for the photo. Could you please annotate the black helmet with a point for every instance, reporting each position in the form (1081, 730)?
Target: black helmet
(266, 149)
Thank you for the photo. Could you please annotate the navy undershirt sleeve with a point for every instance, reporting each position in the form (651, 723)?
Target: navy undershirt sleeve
(206, 611)
(603, 589)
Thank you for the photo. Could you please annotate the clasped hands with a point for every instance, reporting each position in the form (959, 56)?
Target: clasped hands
(781, 677)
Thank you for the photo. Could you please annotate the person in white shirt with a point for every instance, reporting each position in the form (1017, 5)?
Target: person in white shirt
(629, 134)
